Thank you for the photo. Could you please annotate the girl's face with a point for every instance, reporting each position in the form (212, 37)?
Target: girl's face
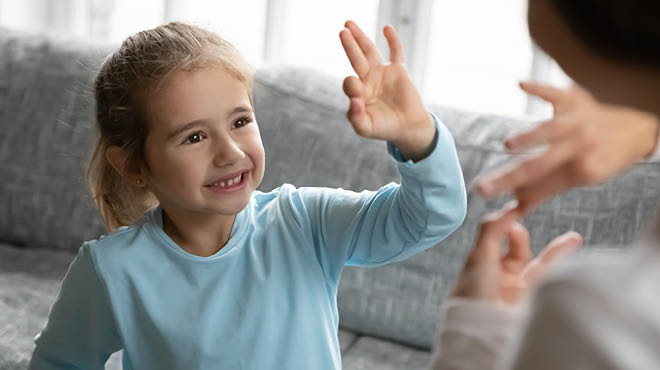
(204, 153)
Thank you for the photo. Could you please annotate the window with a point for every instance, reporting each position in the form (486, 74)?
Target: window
(243, 23)
(128, 16)
(311, 32)
(478, 51)
(467, 54)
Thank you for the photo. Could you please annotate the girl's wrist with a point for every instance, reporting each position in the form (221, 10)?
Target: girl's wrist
(417, 144)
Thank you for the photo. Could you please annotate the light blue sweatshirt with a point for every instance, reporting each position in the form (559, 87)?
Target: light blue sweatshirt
(268, 299)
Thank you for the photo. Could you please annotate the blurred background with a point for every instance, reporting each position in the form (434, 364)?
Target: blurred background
(467, 54)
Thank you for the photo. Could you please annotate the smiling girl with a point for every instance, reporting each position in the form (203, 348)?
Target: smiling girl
(201, 270)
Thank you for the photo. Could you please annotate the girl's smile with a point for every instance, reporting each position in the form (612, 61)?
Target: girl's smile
(230, 183)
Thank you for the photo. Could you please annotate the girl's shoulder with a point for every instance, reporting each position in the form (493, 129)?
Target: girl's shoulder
(116, 236)
(121, 240)
(290, 194)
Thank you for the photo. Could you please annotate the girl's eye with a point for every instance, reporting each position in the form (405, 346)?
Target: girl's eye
(243, 121)
(195, 137)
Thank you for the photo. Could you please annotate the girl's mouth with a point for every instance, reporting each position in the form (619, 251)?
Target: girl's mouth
(231, 184)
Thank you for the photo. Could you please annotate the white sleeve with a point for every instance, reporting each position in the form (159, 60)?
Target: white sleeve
(577, 325)
(474, 334)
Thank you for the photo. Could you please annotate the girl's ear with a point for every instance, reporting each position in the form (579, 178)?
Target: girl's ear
(117, 158)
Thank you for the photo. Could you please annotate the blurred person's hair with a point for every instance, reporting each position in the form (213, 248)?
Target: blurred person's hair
(624, 30)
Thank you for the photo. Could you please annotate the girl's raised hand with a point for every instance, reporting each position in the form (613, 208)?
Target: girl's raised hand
(384, 103)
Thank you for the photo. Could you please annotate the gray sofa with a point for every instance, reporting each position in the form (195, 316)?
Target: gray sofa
(388, 314)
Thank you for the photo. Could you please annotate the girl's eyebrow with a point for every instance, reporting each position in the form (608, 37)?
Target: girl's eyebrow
(185, 127)
(199, 122)
(240, 109)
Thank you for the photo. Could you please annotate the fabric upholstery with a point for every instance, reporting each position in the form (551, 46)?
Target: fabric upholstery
(372, 353)
(46, 112)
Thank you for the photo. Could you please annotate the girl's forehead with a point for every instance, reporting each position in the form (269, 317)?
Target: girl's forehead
(188, 95)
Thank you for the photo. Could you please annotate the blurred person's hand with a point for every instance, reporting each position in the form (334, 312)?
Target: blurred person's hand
(494, 275)
(587, 142)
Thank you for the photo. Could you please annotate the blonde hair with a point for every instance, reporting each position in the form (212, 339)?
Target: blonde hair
(121, 89)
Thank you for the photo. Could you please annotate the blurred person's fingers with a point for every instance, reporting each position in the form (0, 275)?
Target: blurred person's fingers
(519, 252)
(544, 133)
(518, 175)
(551, 94)
(482, 270)
(559, 248)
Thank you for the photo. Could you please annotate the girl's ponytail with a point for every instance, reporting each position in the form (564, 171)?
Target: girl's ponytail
(118, 202)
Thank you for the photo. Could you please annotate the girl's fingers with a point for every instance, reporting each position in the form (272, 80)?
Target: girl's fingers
(548, 93)
(519, 253)
(396, 50)
(360, 120)
(354, 53)
(542, 134)
(527, 172)
(367, 46)
(353, 87)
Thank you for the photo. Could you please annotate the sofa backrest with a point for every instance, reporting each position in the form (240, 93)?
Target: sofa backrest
(46, 134)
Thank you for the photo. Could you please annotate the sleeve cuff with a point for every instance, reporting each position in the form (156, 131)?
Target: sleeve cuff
(655, 155)
(396, 155)
(487, 318)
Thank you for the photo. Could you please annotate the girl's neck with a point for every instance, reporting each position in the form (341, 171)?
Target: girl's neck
(203, 236)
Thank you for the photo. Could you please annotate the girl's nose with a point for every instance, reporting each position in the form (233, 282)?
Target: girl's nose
(227, 152)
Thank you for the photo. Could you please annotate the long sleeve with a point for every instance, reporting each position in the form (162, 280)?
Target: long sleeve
(80, 332)
(575, 324)
(372, 228)
(474, 334)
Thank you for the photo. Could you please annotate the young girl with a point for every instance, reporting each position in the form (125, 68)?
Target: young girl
(201, 270)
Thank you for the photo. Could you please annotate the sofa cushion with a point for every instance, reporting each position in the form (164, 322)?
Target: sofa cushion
(29, 282)
(370, 353)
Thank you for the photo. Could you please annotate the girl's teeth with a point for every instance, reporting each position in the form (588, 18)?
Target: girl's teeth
(230, 182)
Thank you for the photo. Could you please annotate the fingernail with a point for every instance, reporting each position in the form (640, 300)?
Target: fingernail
(510, 204)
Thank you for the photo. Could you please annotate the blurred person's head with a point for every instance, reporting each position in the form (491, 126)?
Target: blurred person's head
(611, 47)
